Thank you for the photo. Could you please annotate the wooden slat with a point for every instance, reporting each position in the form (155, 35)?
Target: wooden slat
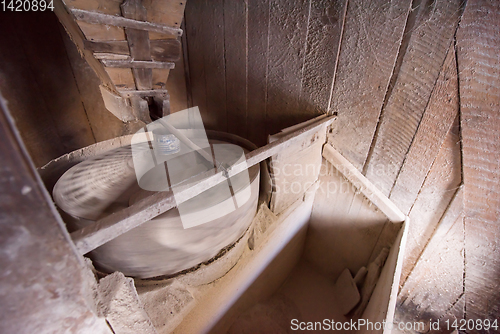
(78, 38)
(118, 21)
(143, 93)
(161, 49)
(141, 64)
(205, 38)
(110, 227)
(372, 35)
(478, 50)
(42, 272)
(434, 198)
(287, 38)
(236, 50)
(436, 284)
(436, 123)
(258, 49)
(429, 42)
(138, 43)
(325, 28)
(363, 184)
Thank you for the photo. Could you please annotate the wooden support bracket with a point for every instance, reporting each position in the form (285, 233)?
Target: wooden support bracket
(119, 21)
(363, 184)
(144, 93)
(114, 225)
(161, 49)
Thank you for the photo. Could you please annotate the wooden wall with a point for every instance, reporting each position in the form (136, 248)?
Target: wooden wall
(411, 94)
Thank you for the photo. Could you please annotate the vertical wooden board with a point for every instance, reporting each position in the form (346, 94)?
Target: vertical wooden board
(437, 191)
(160, 77)
(288, 23)
(478, 50)
(436, 122)
(401, 116)
(435, 288)
(25, 97)
(257, 58)
(176, 86)
(51, 70)
(45, 287)
(368, 51)
(326, 23)
(235, 51)
(104, 124)
(205, 37)
(344, 226)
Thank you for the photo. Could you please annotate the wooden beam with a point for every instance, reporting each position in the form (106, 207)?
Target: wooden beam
(363, 184)
(112, 226)
(161, 49)
(143, 93)
(129, 63)
(99, 18)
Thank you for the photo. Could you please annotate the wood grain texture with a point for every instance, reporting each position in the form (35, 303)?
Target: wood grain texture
(435, 124)
(45, 286)
(205, 37)
(161, 49)
(39, 83)
(325, 29)
(434, 198)
(236, 51)
(368, 51)
(288, 28)
(401, 115)
(258, 53)
(478, 50)
(435, 289)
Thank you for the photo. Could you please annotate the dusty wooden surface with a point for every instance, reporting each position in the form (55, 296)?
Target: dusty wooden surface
(437, 120)
(45, 286)
(371, 39)
(478, 50)
(406, 102)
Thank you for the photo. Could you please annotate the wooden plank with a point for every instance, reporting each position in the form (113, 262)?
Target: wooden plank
(236, 65)
(382, 303)
(436, 123)
(167, 12)
(435, 288)
(363, 184)
(372, 35)
(288, 21)
(105, 19)
(77, 37)
(325, 30)
(434, 198)
(142, 64)
(258, 49)
(110, 227)
(161, 50)
(205, 38)
(103, 123)
(143, 93)
(422, 61)
(42, 272)
(478, 49)
(138, 43)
